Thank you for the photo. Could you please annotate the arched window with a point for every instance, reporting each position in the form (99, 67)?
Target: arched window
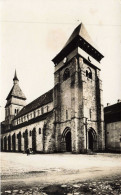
(15, 111)
(66, 74)
(89, 73)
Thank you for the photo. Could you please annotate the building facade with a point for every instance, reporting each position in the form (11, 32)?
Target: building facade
(69, 117)
(112, 117)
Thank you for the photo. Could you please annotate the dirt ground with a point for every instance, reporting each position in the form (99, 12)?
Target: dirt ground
(60, 174)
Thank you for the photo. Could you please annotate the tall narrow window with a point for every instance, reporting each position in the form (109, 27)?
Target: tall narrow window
(87, 74)
(47, 108)
(90, 75)
(31, 115)
(66, 114)
(42, 110)
(39, 130)
(34, 114)
(30, 133)
(38, 112)
(90, 113)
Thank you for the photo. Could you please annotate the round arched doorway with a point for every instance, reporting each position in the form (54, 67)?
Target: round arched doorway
(66, 140)
(91, 139)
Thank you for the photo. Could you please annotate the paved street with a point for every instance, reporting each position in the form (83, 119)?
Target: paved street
(61, 173)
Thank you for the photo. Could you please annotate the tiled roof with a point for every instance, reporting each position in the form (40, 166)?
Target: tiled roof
(16, 92)
(40, 101)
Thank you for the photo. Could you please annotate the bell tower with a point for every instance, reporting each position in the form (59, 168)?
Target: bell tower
(16, 100)
(78, 95)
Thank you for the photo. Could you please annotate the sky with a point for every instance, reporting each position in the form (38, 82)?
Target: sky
(32, 32)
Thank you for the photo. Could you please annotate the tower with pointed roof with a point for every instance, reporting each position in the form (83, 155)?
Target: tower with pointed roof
(78, 104)
(16, 100)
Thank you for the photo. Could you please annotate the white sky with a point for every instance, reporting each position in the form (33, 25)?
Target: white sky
(34, 31)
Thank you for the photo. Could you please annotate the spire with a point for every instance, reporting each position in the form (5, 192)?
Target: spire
(15, 79)
(16, 90)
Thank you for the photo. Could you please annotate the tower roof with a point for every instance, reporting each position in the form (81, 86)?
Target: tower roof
(79, 38)
(81, 31)
(16, 92)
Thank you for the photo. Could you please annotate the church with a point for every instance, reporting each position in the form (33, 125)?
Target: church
(67, 118)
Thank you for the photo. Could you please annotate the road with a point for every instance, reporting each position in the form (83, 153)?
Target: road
(20, 170)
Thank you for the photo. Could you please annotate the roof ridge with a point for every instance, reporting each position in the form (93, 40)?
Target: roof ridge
(39, 97)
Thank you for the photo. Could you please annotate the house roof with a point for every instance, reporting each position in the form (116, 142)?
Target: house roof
(16, 92)
(40, 101)
(112, 113)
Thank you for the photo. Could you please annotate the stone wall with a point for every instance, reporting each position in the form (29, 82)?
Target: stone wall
(76, 100)
(113, 136)
(44, 137)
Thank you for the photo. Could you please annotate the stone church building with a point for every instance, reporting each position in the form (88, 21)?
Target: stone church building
(69, 117)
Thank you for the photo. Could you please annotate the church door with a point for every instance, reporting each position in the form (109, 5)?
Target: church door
(90, 140)
(68, 141)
